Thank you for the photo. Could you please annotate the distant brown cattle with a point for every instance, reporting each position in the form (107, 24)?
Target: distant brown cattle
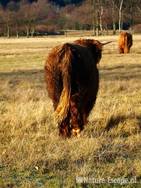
(125, 42)
(72, 80)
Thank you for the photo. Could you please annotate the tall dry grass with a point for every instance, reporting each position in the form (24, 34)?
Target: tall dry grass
(31, 152)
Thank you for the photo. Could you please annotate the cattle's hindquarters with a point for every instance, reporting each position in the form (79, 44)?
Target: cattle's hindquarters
(72, 83)
(125, 42)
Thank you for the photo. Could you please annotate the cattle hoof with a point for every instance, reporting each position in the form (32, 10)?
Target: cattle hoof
(76, 132)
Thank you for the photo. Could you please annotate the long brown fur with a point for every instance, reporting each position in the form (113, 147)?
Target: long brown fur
(125, 42)
(72, 82)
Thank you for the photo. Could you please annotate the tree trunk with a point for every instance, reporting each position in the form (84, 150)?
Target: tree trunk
(131, 18)
(17, 32)
(8, 30)
(32, 31)
(27, 31)
(93, 18)
(120, 15)
(100, 20)
(113, 17)
(97, 23)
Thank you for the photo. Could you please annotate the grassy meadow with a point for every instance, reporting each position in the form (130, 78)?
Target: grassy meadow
(32, 155)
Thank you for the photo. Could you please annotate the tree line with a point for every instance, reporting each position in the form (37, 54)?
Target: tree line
(43, 17)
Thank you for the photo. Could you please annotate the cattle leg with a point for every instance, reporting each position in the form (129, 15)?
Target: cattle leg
(76, 119)
(121, 50)
(85, 116)
(87, 108)
(126, 50)
(64, 127)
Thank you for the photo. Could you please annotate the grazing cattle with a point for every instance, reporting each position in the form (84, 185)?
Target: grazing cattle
(72, 80)
(125, 42)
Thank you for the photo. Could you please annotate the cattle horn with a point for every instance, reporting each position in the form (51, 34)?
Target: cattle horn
(104, 43)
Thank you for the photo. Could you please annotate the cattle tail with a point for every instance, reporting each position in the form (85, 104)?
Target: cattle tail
(62, 110)
(60, 93)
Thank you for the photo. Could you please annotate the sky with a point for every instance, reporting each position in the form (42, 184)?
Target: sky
(61, 3)
(4, 2)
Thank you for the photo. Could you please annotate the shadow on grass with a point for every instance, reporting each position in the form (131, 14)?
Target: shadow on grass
(115, 121)
(139, 120)
(122, 125)
(22, 73)
(15, 78)
(123, 72)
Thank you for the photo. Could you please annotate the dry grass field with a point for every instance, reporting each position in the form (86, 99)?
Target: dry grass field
(32, 155)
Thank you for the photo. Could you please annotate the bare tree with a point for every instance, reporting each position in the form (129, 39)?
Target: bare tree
(99, 7)
(100, 15)
(101, 18)
(28, 14)
(93, 5)
(120, 14)
(7, 17)
(113, 17)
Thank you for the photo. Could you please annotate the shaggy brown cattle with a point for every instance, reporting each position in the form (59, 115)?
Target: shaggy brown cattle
(125, 42)
(72, 80)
